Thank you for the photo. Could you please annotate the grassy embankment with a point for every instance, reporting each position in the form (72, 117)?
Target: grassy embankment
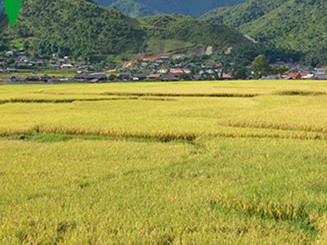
(39, 73)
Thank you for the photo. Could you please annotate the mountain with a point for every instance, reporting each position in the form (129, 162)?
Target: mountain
(82, 29)
(134, 9)
(74, 27)
(186, 7)
(242, 13)
(298, 25)
(192, 31)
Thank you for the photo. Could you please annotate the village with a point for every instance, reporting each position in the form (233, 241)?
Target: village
(19, 67)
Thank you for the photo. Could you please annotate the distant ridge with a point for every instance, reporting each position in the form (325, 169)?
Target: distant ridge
(186, 7)
(298, 25)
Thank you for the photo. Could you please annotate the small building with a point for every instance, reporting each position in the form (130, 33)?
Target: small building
(140, 77)
(93, 77)
(320, 77)
(168, 77)
(97, 77)
(176, 74)
(45, 78)
(295, 75)
(321, 70)
(163, 71)
(308, 76)
(81, 77)
(154, 77)
(67, 66)
(181, 70)
(16, 79)
(124, 77)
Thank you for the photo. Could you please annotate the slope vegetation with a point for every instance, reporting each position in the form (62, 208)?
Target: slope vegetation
(191, 30)
(83, 29)
(75, 27)
(242, 13)
(134, 9)
(295, 24)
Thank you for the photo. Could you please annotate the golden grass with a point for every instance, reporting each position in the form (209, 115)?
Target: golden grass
(164, 163)
(147, 117)
(145, 192)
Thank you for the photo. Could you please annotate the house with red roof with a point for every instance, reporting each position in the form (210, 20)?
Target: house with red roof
(154, 77)
(298, 75)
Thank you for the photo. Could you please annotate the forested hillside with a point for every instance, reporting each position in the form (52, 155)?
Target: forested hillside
(298, 25)
(74, 27)
(190, 29)
(242, 13)
(85, 30)
(134, 9)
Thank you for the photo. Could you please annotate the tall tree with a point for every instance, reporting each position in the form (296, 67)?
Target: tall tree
(260, 66)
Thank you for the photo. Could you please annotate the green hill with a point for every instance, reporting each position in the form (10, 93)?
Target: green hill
(298, 25)
(242, 13)
(83, 29)
(74, 27)
(134, 9)
(191, 30)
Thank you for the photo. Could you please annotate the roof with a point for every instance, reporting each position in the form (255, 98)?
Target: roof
(142, 75)
(176, 74)
(168, 77)
(91, 76)
(181, 70)
(308, 76)
(295, 75)
(154, 76)
(81, 76)
(97, 76)
(269, 77)
(66, 65)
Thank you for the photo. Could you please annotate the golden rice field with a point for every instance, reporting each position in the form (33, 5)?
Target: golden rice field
(237, 162)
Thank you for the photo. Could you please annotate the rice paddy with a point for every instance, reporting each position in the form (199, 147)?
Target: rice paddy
(241, 162)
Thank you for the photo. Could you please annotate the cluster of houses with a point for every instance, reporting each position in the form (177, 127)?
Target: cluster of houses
(145, 68)
(190, 71)
(43, 78)
(16, 60)
(319, 73)
(170, 68)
